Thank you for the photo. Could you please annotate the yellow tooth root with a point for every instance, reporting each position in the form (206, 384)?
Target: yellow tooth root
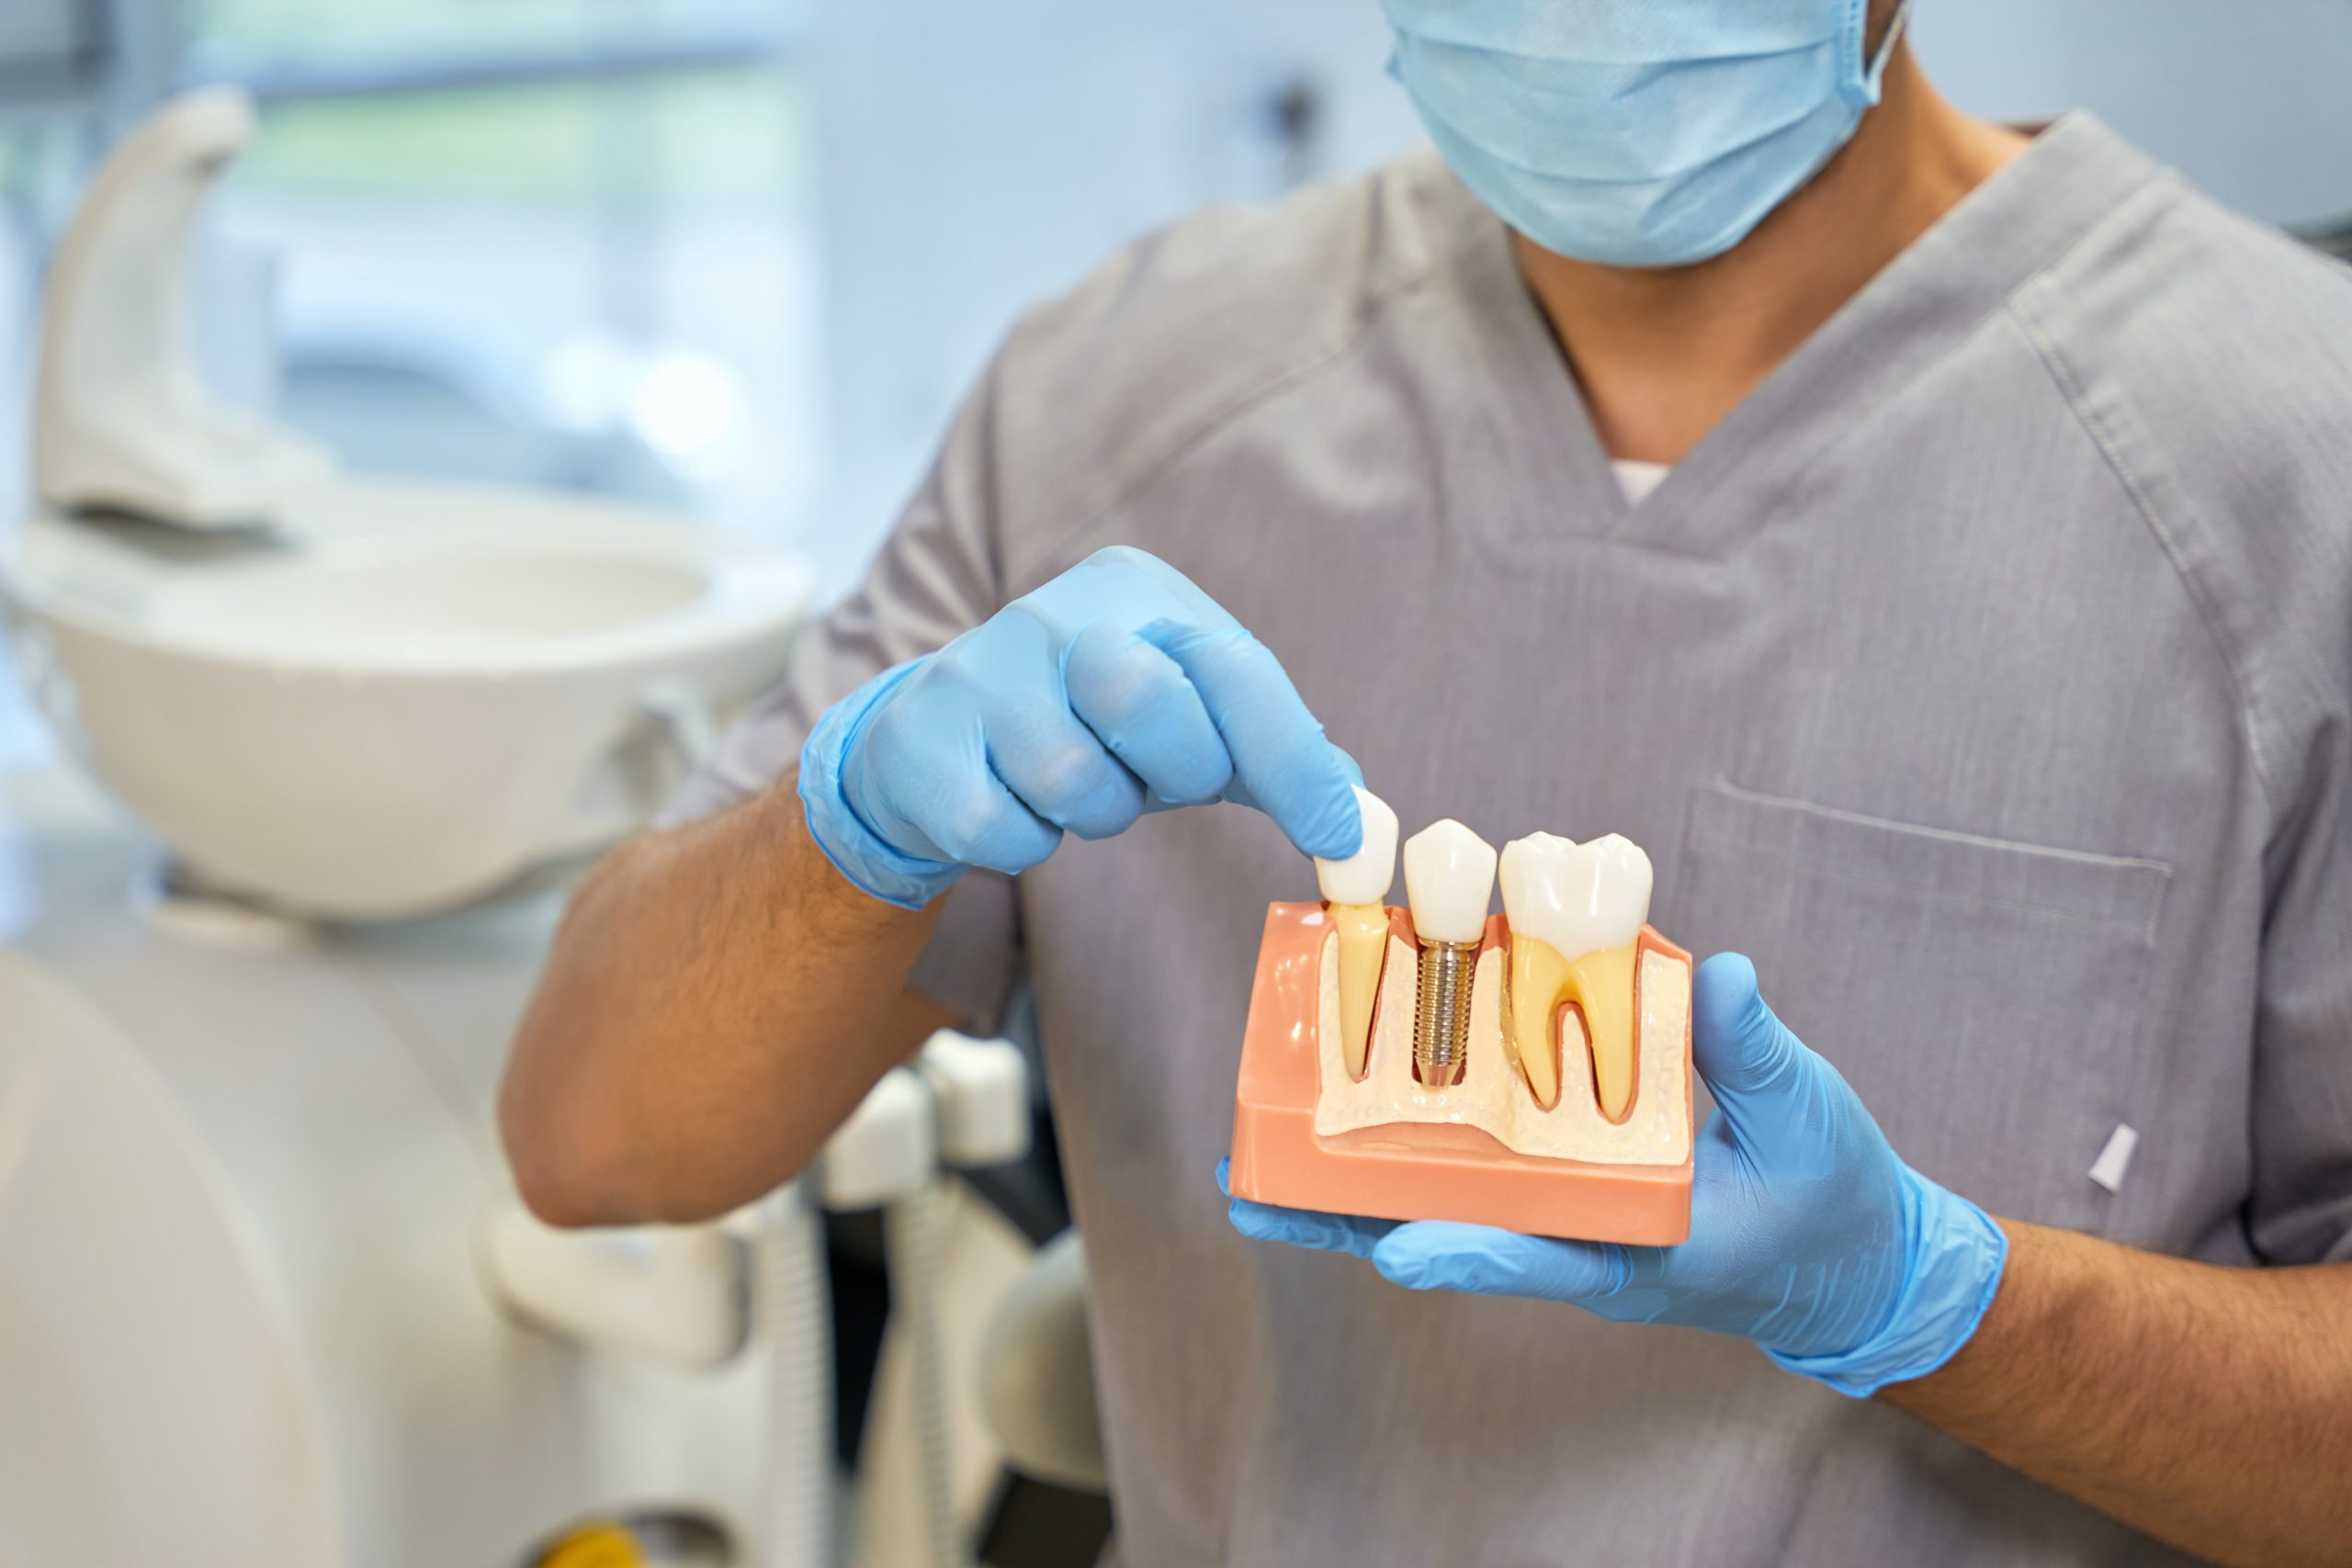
(1539, 976)
(1604, 987)
(1363, 947)
(1601, 985)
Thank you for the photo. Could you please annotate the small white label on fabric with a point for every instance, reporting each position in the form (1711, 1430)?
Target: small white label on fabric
(2107, 1170)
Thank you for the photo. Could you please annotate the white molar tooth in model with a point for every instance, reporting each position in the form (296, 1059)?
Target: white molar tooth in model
(1579, 898)
(1448, 878)
(1356, 889)
(1575, 912)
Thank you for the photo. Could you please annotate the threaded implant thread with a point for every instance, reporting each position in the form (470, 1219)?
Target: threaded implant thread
(1441, 1012)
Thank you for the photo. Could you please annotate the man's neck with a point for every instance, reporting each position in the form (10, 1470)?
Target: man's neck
(1663, 355)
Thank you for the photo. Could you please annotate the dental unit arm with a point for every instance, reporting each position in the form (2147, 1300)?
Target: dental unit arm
(696, 1296)
(1531, 1071)
(122, 422)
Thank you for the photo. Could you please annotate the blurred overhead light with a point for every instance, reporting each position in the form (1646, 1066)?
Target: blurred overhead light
(590, 379)
(683, 406)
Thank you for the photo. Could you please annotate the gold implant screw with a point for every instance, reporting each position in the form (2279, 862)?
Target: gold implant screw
(1442, 1012)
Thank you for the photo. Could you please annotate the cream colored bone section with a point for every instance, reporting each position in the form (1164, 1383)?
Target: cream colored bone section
(1491, 1095)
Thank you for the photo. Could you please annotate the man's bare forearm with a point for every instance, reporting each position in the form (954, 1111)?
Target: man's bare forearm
(717, 999)
(2211, 1408)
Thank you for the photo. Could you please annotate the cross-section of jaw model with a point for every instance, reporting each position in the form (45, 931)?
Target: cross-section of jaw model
(1437, 1062)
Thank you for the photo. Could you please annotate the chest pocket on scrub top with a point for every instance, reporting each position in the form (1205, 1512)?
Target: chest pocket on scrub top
(1984, 997)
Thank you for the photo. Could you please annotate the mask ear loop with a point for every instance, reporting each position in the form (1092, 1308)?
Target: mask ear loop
(1860, 85)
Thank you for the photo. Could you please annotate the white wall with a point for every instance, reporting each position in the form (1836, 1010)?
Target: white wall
(980, 152)
(2251, 98)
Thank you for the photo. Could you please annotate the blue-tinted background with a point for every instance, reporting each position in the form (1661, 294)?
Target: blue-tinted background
(740, 256)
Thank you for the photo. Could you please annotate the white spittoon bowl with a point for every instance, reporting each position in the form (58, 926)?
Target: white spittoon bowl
(400, 696)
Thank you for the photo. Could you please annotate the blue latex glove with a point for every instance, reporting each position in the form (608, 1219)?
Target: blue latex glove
(1808, 1234)
(1116, 689)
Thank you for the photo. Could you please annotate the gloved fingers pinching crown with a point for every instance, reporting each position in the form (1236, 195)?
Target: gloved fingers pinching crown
(1282, 763)
(1057, 767)
(1137, 698)
(1117, 687)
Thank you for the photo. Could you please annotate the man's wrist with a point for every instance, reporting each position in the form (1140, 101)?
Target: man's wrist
(1957, 1254)
(870, 862)
(816, 900)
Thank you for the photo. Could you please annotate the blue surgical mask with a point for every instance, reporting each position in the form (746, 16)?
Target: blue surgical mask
(1637, 133)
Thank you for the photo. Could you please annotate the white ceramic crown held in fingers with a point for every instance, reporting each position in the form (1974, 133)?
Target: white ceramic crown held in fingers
(1364, 877)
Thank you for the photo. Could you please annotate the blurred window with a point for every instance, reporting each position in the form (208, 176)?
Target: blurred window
(48, 48)
(557, 243)
(21, 146)
(21, 735)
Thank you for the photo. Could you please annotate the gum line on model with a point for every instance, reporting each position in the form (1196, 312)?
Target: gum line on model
(1530, 1070)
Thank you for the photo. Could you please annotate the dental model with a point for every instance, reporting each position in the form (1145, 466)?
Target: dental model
(1530, 1070)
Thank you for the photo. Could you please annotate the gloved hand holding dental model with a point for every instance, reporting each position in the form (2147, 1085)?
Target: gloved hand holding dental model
(1809, 1236)
(1117, 688)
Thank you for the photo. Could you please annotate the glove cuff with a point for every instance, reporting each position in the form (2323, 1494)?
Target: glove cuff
(857, 852)
(1957, 1254)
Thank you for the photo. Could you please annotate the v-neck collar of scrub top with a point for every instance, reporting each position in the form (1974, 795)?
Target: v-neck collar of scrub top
(1913, 312)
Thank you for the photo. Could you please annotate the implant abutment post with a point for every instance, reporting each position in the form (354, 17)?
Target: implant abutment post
(1448, 878)
(1442, 1012)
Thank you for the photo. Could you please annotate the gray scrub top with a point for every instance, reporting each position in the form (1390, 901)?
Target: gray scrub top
(1983, 676)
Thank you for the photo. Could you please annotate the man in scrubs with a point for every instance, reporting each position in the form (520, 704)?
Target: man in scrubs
(1930, 542)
